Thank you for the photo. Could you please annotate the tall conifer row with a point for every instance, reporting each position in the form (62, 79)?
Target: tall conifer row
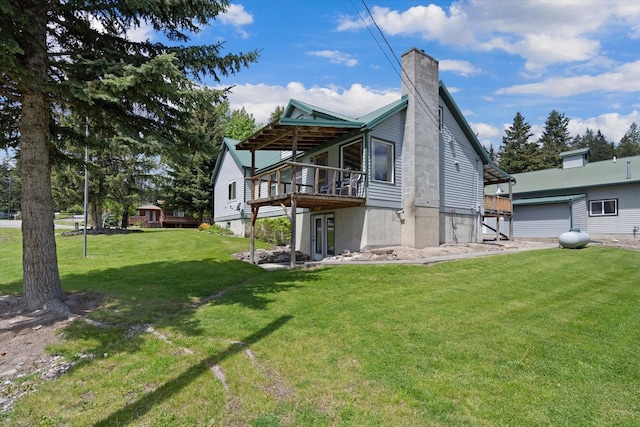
(74, 57)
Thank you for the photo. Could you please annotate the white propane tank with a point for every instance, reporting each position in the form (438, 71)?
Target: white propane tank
(574, 239)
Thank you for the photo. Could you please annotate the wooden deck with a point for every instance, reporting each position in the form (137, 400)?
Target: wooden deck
(313, 187)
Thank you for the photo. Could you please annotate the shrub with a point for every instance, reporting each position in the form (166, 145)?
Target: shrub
(276, 231)
(214, 229)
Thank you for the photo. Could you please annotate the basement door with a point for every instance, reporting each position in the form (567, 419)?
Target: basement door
(323, 236)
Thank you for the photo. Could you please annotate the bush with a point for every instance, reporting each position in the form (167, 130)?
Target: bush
(276, 231)
(214, 229)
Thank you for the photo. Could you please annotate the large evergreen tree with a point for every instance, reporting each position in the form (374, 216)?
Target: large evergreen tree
(189, 187)
(554, 140)
(630, 143)
(67, 56)
(518, 154)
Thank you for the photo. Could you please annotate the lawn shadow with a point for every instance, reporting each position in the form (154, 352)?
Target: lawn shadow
(140, 407)
(167, 294)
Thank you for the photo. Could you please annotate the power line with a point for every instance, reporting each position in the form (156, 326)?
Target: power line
(424, 105)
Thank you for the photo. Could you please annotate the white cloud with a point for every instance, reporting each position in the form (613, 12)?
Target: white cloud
(544, 33)
(261, 100)
(612, 125)
(484, 130)
(464, 68)
(625, 78)
(237, 17)
(335, 57)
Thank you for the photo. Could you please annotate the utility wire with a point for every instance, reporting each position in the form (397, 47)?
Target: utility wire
(423, 104)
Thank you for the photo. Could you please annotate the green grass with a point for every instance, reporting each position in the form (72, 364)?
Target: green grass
(546, 337)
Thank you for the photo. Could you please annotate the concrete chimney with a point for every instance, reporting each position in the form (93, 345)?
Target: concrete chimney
(421, 151)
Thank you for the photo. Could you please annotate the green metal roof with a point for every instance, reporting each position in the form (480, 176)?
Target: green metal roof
(312, 110)
(374, 118)
(547, 200)
(596, 174)
(243, 158)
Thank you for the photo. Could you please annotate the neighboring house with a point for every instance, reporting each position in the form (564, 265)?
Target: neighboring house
(152, 216)
(601, 198)
(411, 173)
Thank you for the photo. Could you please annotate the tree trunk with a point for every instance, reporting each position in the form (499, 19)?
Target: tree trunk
(41, 282)
(125, 217)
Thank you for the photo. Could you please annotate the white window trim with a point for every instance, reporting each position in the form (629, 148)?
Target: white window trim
(392, 163)
(602, 202)
(232, 185)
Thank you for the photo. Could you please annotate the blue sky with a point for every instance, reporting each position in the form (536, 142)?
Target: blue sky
(497, 58)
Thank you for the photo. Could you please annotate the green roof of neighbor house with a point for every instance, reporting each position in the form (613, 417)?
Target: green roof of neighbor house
(596, 174)
(243, 158)
(547, 200)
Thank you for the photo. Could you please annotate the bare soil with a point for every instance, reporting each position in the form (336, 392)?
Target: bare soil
(24, 335)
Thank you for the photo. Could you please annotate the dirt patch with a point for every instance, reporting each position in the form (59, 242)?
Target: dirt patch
(24, 335)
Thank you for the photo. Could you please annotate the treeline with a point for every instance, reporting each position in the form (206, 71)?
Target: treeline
(520, 153)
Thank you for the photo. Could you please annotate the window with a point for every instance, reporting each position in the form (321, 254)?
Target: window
(382, 160)
(232, 190)
(351, 156)
(603, 207)
(440, 117)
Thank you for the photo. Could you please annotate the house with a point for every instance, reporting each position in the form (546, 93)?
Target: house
(152, 216)
(231, 187)
(601, 198)
(411, 173)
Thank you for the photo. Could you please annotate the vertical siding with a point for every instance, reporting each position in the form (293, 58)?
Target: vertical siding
(628, 210)
(383, 194)
(461, 183)
(580, 213)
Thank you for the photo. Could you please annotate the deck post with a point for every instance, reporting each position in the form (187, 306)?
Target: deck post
(294, 203)
(252, 241)
(511, 210)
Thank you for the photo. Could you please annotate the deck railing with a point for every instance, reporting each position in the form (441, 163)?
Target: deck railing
(497, 204)
(308, 179)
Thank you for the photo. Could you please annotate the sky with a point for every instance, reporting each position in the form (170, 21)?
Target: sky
(497, 58)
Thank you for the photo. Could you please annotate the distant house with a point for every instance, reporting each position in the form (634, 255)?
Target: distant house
(411, 173)
(152, 216)
(601, 198)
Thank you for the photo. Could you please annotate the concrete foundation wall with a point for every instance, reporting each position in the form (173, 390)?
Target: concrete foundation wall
(239, 227)
(458, 228)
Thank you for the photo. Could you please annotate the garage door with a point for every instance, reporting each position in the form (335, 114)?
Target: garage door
(541, 220)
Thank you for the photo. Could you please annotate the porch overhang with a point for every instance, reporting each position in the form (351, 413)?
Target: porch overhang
(309, 134)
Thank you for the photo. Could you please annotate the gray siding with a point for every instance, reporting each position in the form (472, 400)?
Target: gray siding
(383, 194)
(461, 184)
(628, 210)
(225, 209)
(541, 220)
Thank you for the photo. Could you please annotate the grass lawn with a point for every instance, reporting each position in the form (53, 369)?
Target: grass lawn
(546, 337)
